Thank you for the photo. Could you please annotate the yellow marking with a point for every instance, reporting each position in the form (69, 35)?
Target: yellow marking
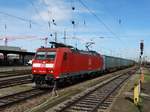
(136, 94)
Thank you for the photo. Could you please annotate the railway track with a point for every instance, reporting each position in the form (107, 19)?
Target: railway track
(14, 73)
(11, 75)
(96, 99)
(21, 96)
(17, 97)
(7, 82)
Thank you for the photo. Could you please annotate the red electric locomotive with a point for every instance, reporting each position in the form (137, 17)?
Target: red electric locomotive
(63, 62)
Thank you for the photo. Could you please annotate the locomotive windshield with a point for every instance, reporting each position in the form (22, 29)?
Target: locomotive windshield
(41, 55)
(51, 55)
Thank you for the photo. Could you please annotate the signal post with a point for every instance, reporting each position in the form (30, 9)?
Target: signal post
(137, 86)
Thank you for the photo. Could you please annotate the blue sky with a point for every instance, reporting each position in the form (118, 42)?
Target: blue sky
(124, 41)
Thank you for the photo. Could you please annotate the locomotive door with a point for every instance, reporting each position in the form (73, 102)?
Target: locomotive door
(65, 63)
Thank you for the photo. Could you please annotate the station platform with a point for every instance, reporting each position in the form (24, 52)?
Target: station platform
(10, 55)
(124, 101)
(14, 68)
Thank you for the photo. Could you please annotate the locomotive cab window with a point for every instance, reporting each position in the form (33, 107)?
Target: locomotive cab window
(40, 55)
(51, 55)
(45, 55)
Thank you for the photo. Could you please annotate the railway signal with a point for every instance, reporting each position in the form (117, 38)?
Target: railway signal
(141, 47)
(137, 87)
(141, 52)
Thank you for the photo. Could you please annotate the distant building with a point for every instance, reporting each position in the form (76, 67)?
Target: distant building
(11, 48)
(13, 58)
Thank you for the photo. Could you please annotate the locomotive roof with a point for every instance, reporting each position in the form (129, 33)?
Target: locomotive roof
(57, 45)
(87, 52)
(73, 49)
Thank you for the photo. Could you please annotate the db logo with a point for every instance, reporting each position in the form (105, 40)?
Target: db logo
(90, 61)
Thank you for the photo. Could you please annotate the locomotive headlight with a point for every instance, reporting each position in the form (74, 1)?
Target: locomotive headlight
(49, 65)
(36, 65)
(51, 71)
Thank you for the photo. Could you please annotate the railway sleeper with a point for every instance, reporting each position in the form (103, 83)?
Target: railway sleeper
(103, 107)
(84, 105)
(104, 104)
(91, 98)
(79, 109)
(90, 101)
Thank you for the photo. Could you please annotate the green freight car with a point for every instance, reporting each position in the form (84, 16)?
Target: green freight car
(114, 63)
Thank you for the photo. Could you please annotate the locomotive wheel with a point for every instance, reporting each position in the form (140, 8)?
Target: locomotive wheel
(38, 83)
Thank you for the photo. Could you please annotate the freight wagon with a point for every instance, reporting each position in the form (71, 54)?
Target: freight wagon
(113, 63)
